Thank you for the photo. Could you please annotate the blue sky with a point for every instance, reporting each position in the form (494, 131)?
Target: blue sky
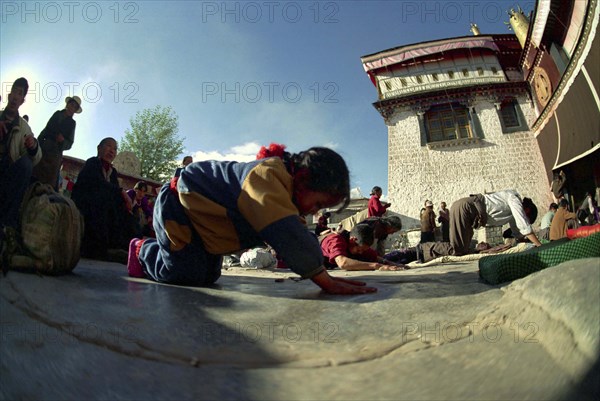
(237, 74)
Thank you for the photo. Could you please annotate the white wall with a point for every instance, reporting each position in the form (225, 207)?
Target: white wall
(499, 161)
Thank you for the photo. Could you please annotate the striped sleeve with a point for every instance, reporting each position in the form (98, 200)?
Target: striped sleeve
(293, 243)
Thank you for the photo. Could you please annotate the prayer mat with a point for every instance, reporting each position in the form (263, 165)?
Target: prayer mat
(520, 247)
(498, 269)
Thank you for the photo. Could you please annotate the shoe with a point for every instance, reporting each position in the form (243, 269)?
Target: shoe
(134, 267)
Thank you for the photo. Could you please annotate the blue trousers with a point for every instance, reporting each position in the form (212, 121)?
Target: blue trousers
(182, 259)
(13, 184)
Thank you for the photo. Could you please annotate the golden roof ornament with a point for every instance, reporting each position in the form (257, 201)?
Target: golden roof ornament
(475, 29)
(519, 23)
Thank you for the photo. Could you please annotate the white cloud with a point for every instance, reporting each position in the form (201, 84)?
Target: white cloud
(241, 153)
(355, 193)
(331, 145)
(250, 148)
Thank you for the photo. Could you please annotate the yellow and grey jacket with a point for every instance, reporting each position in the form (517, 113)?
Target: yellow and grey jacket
(234, 206)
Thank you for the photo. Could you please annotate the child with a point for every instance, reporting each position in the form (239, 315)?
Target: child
(141, 209)
(352, 250)
(377, 208)
(216, 208)
(560, 221)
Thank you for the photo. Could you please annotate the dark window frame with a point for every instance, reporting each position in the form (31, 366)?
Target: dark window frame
(448, 122)
(511, 116)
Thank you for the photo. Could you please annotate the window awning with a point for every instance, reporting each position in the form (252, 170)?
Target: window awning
(386, 58)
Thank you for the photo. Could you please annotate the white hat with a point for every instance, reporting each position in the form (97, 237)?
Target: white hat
(77, 100)
(429, 204)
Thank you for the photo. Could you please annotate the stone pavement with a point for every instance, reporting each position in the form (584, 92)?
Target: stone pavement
(429, 333)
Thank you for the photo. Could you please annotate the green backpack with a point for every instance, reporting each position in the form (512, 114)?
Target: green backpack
(51, 232)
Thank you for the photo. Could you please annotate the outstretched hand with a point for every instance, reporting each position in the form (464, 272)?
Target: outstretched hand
(340, 286)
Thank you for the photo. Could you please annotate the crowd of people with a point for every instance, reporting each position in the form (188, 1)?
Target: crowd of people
(112, 216)
(214, 208)
(457, 225)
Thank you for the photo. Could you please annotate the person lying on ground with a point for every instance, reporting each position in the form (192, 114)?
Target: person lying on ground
(352, 251)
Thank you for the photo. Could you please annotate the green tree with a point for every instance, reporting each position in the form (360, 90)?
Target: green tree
(153, 139)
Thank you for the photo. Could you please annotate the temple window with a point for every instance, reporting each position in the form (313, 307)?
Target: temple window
(511, 116)
(448, 122)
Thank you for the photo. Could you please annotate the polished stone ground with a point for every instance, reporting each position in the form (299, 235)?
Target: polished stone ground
(429, 333)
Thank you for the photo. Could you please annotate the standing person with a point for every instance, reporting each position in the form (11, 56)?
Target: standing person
(104, 205)
(186, 160)
(444, 220)
(57, 137)
(216, 208)
(586, 213)
(491, 210)
(547, 222)
(560, 222)
(559, 184)
(19, 152)
(377, 208)
(428, 223)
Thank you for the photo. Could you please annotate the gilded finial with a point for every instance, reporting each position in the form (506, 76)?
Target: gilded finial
(519, 23)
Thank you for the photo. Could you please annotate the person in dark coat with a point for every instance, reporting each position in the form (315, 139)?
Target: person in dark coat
(105, 206)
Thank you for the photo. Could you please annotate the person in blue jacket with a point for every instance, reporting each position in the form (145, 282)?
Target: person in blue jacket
(220, 207)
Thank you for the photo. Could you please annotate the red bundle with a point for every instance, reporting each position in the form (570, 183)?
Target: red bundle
(582, 232)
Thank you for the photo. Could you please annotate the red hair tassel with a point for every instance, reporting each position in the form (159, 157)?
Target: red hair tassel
(274, 149)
